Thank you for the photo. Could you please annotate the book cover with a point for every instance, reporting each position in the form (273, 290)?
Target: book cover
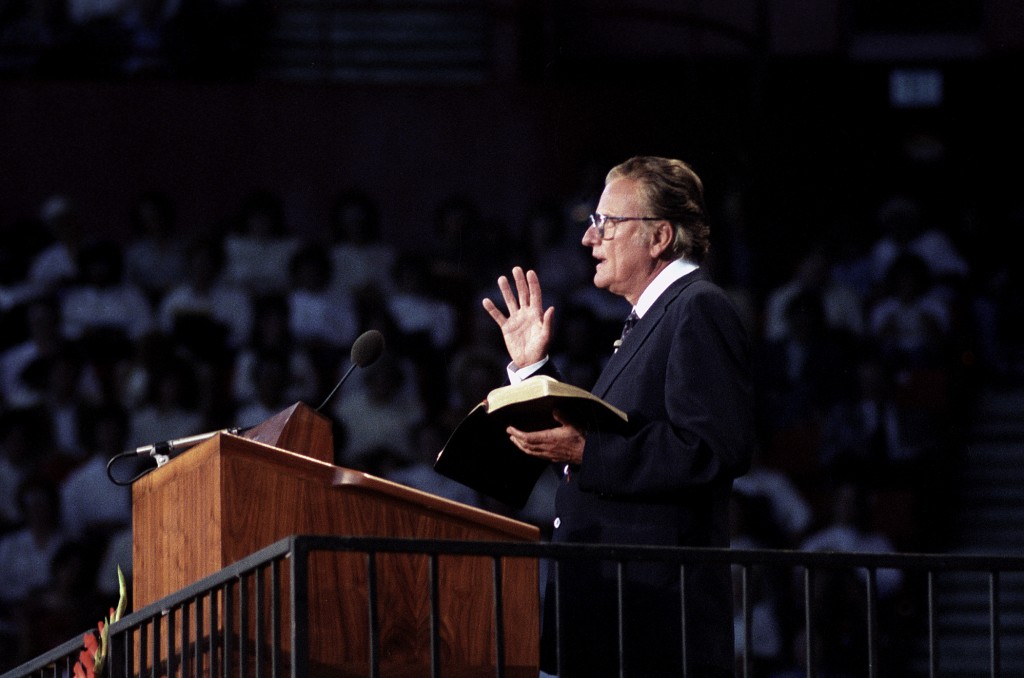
(480, 455)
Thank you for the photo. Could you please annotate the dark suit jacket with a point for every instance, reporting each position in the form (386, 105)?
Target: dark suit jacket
(683, 377)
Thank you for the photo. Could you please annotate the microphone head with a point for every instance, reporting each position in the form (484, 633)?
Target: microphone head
(367, 348)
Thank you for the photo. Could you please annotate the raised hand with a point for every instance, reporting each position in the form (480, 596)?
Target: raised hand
(527, 327)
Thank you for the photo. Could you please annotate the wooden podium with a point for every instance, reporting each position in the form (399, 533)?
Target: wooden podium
(232, 495)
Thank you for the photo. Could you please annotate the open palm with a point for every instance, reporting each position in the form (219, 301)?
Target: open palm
(527, 327)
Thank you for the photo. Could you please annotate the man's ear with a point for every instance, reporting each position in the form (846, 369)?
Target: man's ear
(661, 239)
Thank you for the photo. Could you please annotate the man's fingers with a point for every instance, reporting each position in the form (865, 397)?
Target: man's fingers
(493, 311)
(533, 285)
(522, 288)
(506, 294)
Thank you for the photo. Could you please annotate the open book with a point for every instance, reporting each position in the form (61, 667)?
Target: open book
(480, 455)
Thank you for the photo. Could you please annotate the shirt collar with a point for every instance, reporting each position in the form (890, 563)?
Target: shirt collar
(668, 275)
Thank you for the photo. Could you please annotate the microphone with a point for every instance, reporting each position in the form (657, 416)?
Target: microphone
(162, 451)
(366, 349)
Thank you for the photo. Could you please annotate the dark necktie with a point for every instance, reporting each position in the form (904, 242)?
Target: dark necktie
(627, 327)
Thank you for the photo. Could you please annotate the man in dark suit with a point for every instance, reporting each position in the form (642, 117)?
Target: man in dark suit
(682, 374)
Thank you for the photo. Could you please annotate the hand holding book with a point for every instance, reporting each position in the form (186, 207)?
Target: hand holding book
(479, 453)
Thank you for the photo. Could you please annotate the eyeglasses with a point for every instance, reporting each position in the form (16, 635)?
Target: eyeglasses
(602, 221)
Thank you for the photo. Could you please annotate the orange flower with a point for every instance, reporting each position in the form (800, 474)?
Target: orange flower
(86, 665)
(91, 660)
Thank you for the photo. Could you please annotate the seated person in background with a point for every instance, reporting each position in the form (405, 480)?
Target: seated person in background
(320, 317)
(155, 257)
(103, 304)
(359, 256)
(206, 311)
(382, 414)
(842, 305)
(258, 249)
(26, 552)
(92, 508)
(912, 321)
(271, 336)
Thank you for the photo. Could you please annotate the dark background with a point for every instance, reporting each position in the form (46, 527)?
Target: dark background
(791, 100)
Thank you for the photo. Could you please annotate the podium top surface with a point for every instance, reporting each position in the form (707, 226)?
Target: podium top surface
(265, 460)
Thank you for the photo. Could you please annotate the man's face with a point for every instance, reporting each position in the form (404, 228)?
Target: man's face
(626, 263)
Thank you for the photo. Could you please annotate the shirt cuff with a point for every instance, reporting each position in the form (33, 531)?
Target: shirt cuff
(519, 375)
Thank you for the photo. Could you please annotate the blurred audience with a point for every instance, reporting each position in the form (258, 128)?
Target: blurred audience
(381, 415)
(843, 307)
(25, 554)
(57, 263)
(206, 312)
(321, 318)
(154, 258)
(911, 321)
(272, 336)
(21, 365)
(92, 508)
(259, 248)
(359, 254)
(906, 229)
(30, 561)
(169, 411)
(24, 443)
(271, 379)
(103, 311)
(111, 344)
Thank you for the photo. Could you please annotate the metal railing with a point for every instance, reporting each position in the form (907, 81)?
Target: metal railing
(251, 619)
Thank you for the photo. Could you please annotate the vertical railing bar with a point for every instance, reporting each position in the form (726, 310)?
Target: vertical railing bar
(227, 615)
(748, 624)
(186, 639)
(871, 623)
(202, 646)
(113, 656)
(155, 647)
(435, 618)
(243, 625)
(993, 606)
(556, 564)
(372, 612)
(300, 609)
(275, 619)
(214, 623)
(172, 664)
(499, 618)
(684, 645)
(128, 641)
(809, 623)
(143, 646)
(227, 622)
(129, 652)
(258, 617)
(933, 647)
(621, 614)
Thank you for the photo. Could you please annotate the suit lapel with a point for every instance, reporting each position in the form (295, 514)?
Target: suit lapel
(638, 337)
